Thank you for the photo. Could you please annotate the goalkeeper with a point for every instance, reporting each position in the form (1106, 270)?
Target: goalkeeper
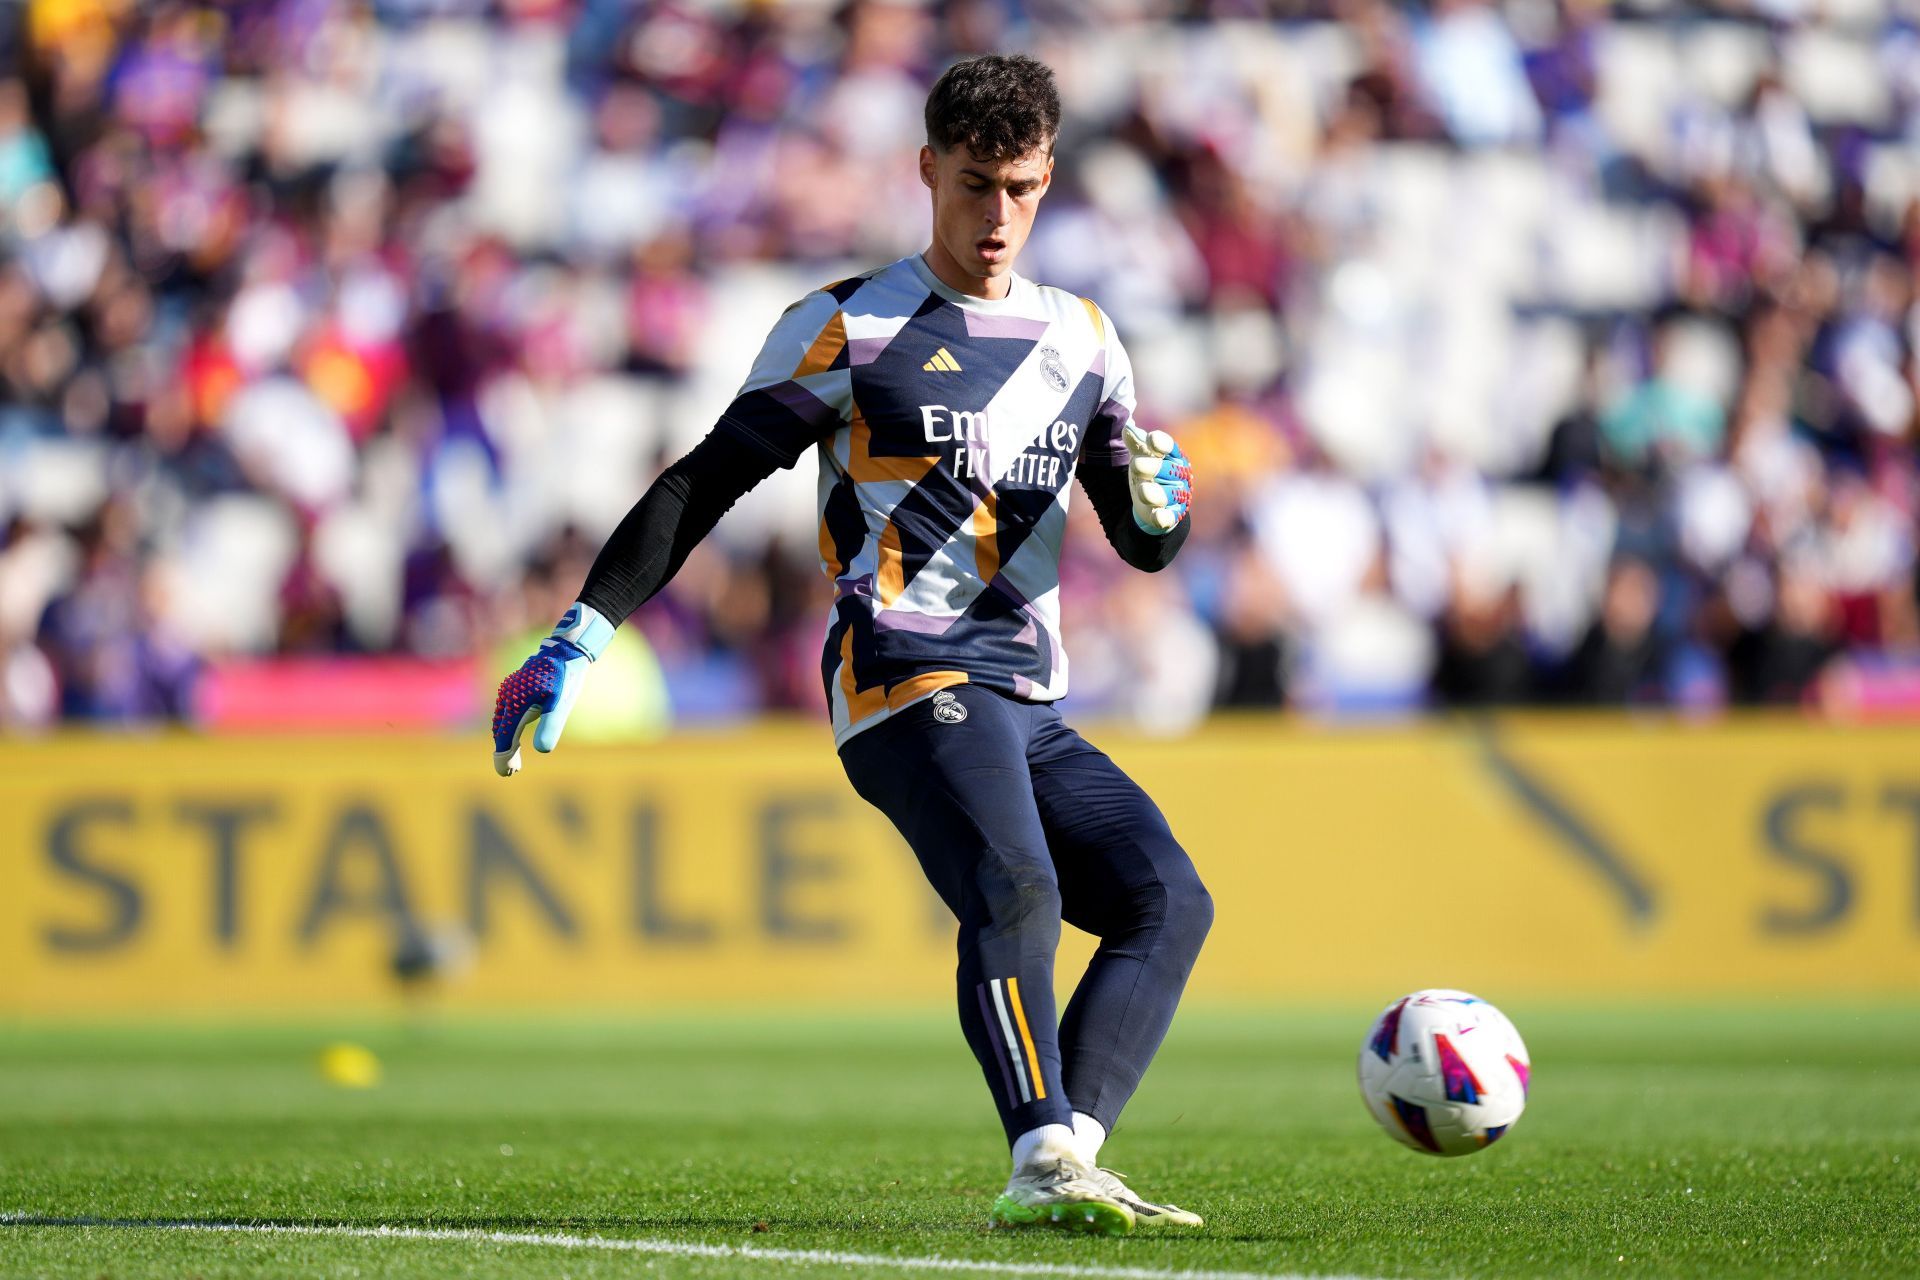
(951, 402)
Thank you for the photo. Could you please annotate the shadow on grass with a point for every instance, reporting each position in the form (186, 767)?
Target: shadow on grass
(765, 1231)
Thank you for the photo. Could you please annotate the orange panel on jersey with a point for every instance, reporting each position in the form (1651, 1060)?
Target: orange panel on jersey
(864, 467)
(861, 703)
(985, 527)
(890, 573)
(826, 346)
(828, 559)
(1093, 314)
(921, 685)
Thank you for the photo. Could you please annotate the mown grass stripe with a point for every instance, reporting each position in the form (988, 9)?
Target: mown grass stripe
(669, 1248)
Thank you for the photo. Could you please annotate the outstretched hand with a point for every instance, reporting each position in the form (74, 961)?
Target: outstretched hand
(544, 689)
(1160, 478)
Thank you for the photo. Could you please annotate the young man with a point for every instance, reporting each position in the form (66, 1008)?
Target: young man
(951, 403)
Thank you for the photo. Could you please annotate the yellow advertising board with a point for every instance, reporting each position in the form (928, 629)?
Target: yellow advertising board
(1517, 856)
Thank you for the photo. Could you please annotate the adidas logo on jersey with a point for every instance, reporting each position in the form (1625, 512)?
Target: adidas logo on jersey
(942, 362)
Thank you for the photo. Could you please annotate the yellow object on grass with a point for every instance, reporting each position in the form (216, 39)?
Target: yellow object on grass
(349, 1066)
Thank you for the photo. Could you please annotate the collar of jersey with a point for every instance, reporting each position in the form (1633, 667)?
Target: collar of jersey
(1016, 283)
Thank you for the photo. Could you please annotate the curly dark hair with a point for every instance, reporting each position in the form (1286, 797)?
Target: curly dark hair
(999, 106)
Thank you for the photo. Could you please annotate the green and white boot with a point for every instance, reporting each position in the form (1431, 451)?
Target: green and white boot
(1146, 1214)
(1060, 1191)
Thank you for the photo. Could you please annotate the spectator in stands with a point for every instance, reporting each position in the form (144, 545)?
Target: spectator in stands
(1536, 353)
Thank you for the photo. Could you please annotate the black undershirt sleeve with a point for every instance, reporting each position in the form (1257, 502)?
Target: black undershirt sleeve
(676, 512)
(1106, 488)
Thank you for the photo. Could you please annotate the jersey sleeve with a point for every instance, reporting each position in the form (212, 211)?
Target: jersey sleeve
(676, 512)
(1105, 447)
(1104, 460)
(800, 389)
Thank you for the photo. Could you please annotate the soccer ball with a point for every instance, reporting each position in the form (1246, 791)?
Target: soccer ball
(1444, 1072)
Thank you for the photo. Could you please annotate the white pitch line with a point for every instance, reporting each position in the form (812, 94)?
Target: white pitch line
(667, 1248)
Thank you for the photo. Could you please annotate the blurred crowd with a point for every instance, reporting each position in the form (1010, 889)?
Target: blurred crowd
(1531, 352)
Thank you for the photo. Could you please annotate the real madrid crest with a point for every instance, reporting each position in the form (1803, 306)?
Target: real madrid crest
(1052, 369)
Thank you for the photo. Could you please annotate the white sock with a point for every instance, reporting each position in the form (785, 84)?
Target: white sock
(1048, 1141)
(1088, 1134)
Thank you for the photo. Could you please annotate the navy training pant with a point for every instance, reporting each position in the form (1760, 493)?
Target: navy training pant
(1020, 823)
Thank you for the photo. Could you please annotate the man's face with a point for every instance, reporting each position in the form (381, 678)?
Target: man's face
(983, 211)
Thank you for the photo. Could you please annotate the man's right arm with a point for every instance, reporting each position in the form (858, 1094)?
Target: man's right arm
(676, 512)
(792, 398)
(797, 393)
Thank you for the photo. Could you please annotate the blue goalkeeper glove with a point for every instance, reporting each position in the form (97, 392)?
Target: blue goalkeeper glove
(546, 685)
(1160, 478)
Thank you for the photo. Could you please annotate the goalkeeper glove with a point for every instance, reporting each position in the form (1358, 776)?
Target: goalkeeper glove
(1160, 477)
(545, 686)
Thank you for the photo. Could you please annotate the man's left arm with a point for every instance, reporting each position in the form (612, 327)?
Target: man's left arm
(1139, 482)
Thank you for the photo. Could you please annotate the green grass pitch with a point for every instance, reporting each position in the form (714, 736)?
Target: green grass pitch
(1730, 1142)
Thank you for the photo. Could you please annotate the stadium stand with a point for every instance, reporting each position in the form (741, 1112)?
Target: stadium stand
(1528, 353)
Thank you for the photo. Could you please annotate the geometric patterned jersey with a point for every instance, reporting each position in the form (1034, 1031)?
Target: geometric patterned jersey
(948, 430)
